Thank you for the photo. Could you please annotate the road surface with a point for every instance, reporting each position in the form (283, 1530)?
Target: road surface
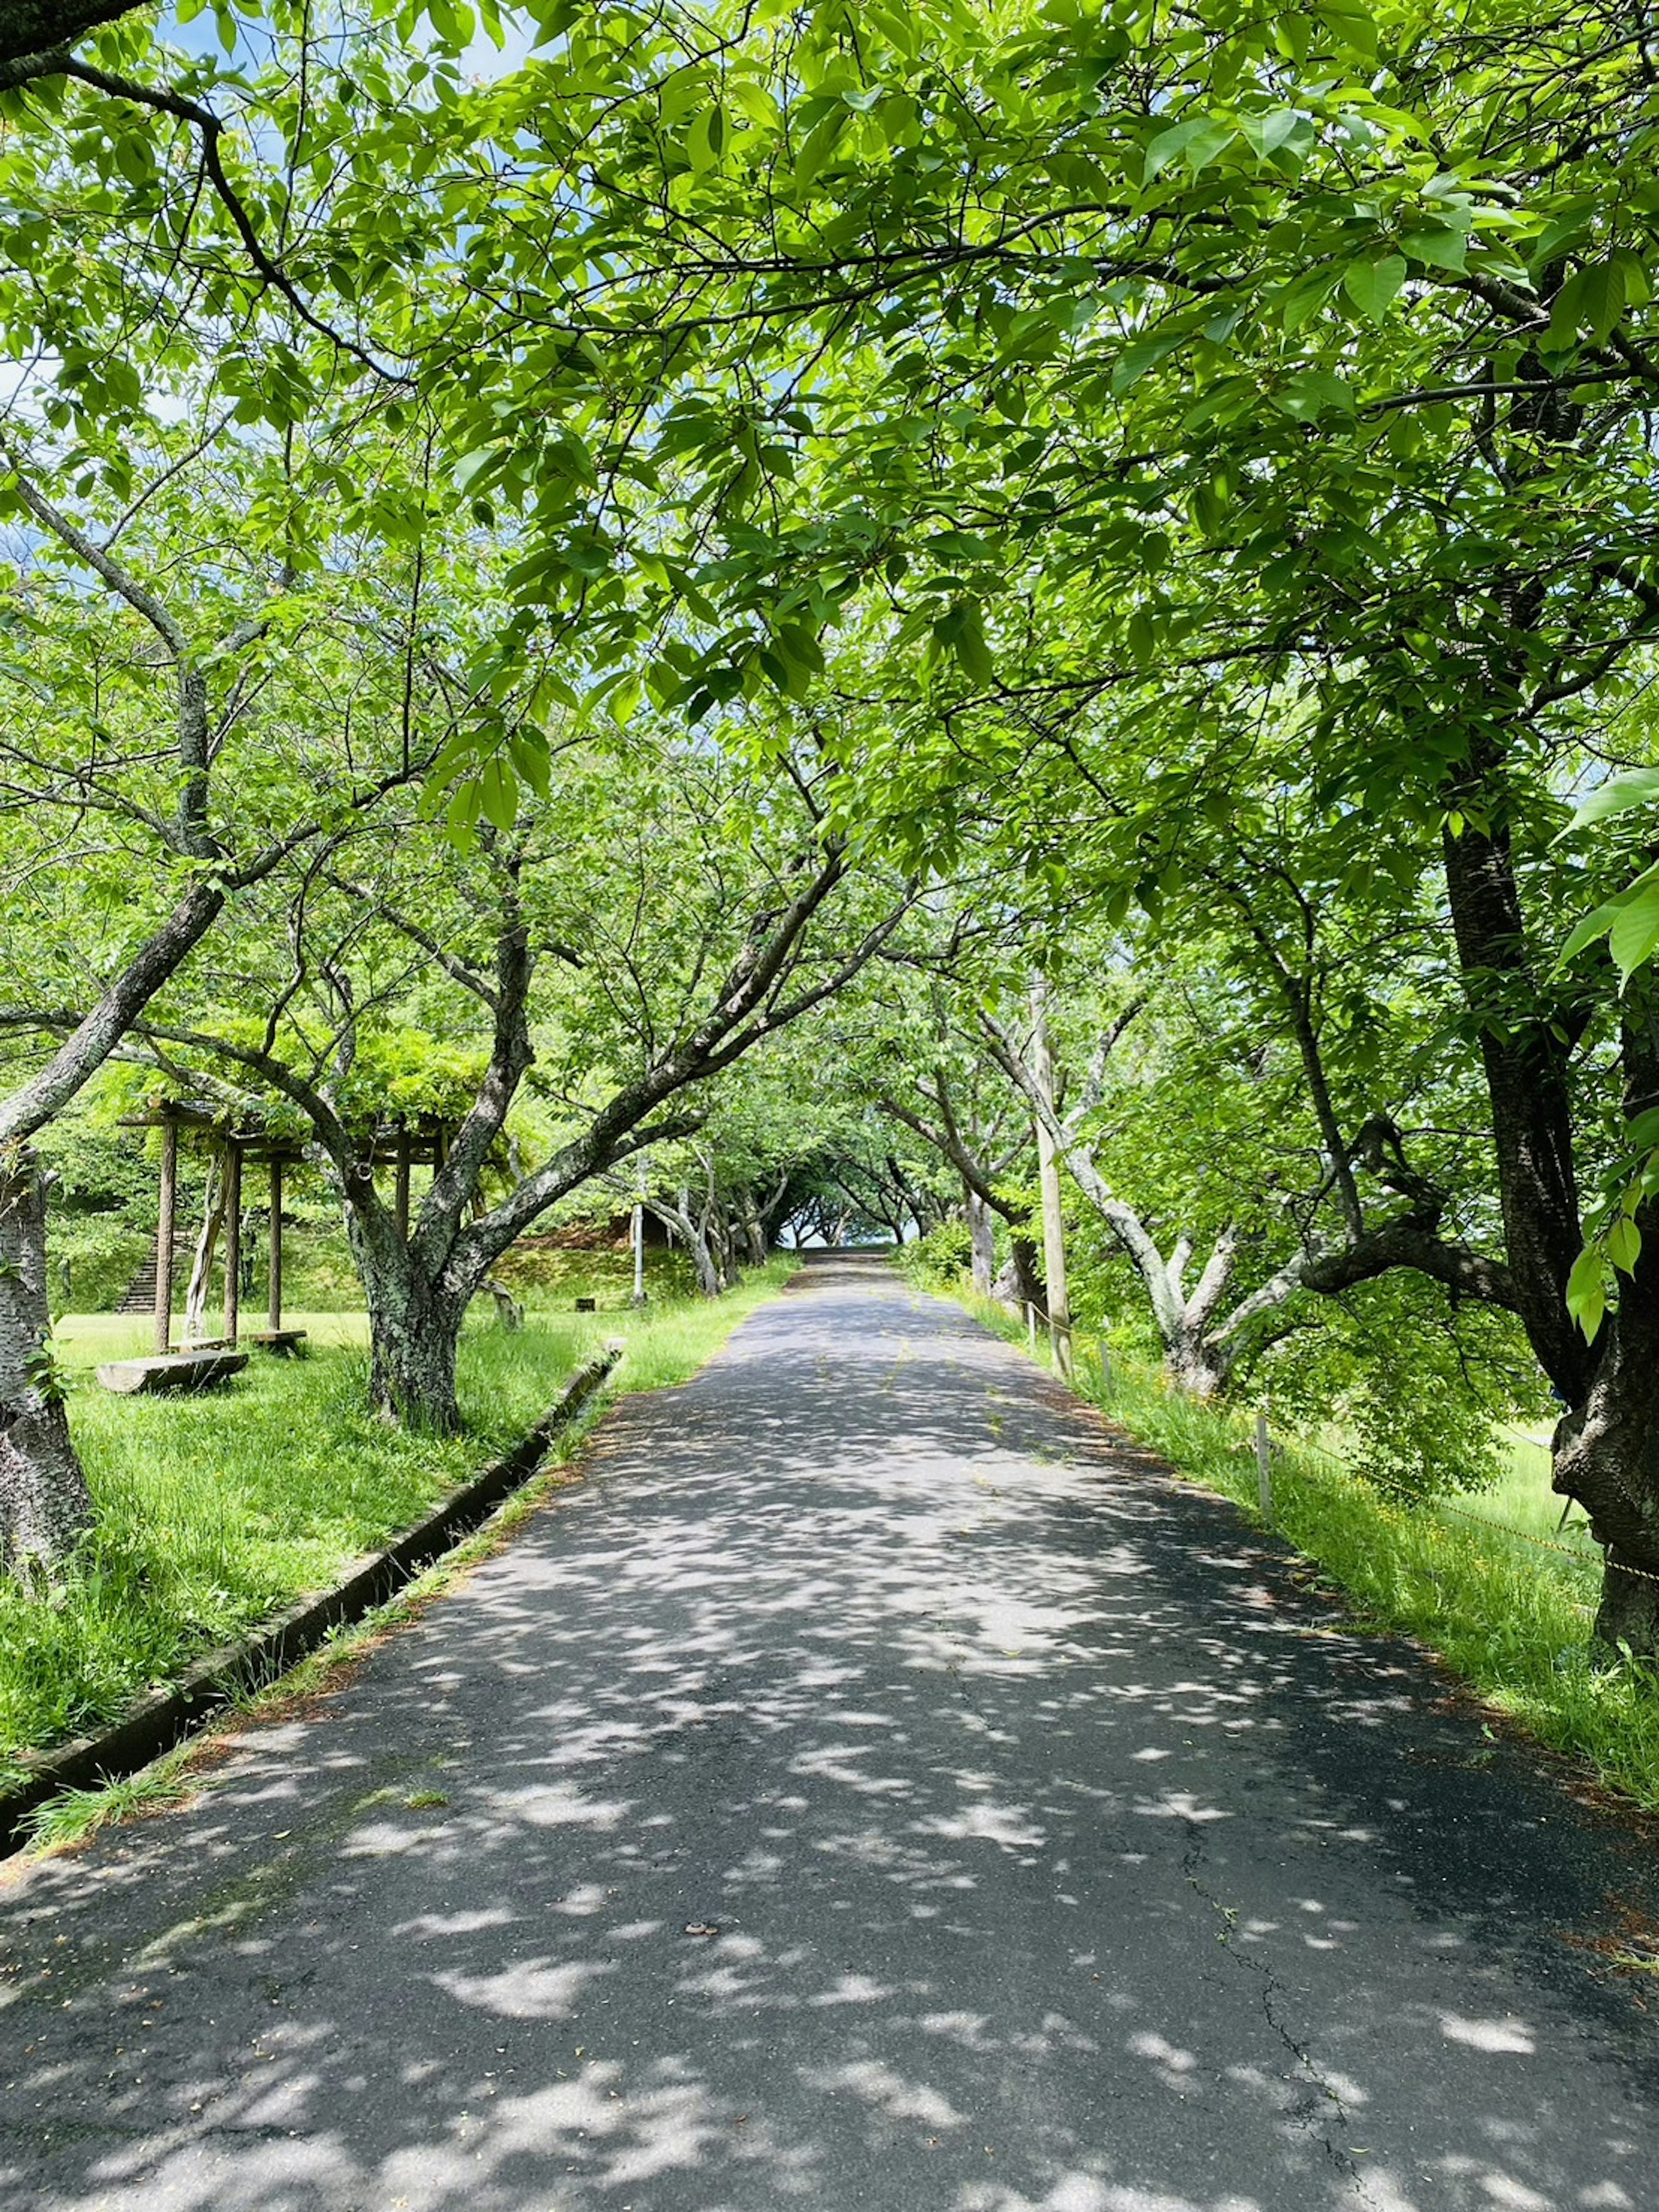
(875, 1788)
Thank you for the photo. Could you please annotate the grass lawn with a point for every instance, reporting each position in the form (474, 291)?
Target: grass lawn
(216, 1511)
(1511, 1619)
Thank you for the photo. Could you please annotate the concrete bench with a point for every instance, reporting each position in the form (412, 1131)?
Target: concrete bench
(172, 1370)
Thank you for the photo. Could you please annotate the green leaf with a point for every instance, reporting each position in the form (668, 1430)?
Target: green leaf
(1373, 285)
(1587, 1291)
(1635, 932)
(1312, 393)
(473, 466)
(821, 143)
(1437, 248)
(961, 630)
(1593, 925)
(1351, 26)
(528, 751)
(706, 140)
(1266, 134)
(799, 646)
(1135, 360)
(1623, 1245)
(1592, 299)
(1639, 787)
(1196, 140)
(498, 793)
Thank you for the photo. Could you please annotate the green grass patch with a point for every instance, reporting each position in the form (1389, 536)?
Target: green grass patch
(216, 1511)
(1512, 1619)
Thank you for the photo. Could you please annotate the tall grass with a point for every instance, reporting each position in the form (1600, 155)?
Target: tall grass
(214, 1511)
(1512, 1618)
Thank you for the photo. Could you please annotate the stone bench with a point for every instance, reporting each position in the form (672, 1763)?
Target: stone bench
(172, 1370)
(286, 1343)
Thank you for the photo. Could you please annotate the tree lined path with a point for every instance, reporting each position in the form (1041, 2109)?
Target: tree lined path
(877, 1786)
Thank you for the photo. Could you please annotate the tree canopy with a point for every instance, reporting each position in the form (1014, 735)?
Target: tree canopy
(578, 548)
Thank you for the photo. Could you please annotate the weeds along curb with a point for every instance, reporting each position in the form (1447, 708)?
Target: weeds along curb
(164, 1717)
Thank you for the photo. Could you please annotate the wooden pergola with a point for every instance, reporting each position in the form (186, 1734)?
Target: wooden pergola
(401, 1144)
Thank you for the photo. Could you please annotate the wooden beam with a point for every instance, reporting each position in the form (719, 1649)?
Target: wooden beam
(232, 1239)
(274, 1305)
(164, 1227)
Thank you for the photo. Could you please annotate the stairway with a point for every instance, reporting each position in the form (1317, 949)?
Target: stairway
(139, 1296)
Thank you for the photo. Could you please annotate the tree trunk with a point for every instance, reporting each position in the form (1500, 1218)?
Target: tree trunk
(982, 1244)
(508, 1311)
(201, 1266)
(754, 1232)
(680, 1221)
(702, 1259)
(1606, 1455)
(1019, 1282)
(45, 1502)
(414, 1334)
(1054, 1212)
(413, 1366)
(721, 1233)
(1607, 1449)
(1196, 1367)
(1525, 1063)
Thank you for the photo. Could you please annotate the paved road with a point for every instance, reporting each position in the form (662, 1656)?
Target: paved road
(874, 1789)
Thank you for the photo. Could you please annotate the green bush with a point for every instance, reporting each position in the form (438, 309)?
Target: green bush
(941, 1260)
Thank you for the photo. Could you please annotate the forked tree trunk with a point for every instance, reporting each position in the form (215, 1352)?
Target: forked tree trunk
(44, 1504)
(702, 1257)
(681, 1220)
(1196, 1367)
(752, 1229)
(201, 1266)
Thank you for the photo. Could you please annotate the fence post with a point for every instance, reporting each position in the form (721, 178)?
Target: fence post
(1030, 1323)
(1264, 1467)
(1105, 1366)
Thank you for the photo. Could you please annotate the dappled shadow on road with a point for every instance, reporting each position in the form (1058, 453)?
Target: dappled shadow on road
(872, 1792)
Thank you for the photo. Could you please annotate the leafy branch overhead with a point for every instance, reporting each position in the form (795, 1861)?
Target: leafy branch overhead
(648, 576)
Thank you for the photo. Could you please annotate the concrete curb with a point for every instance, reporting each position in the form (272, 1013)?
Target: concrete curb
(165, 1717)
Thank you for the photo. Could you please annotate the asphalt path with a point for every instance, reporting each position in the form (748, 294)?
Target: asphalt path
(876, 1786)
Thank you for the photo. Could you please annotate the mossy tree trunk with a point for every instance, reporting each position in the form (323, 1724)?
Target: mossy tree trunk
(44, 1504)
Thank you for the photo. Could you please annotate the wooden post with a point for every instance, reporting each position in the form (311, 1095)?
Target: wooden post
(164, 1223)
(1264, 1467)
(1105, 1365)
(274, 1308)
(639, 1252)
(233, 1239)
(1030, 1323)
(402, 1182)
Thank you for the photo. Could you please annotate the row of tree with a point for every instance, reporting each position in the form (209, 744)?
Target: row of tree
(602, 535)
